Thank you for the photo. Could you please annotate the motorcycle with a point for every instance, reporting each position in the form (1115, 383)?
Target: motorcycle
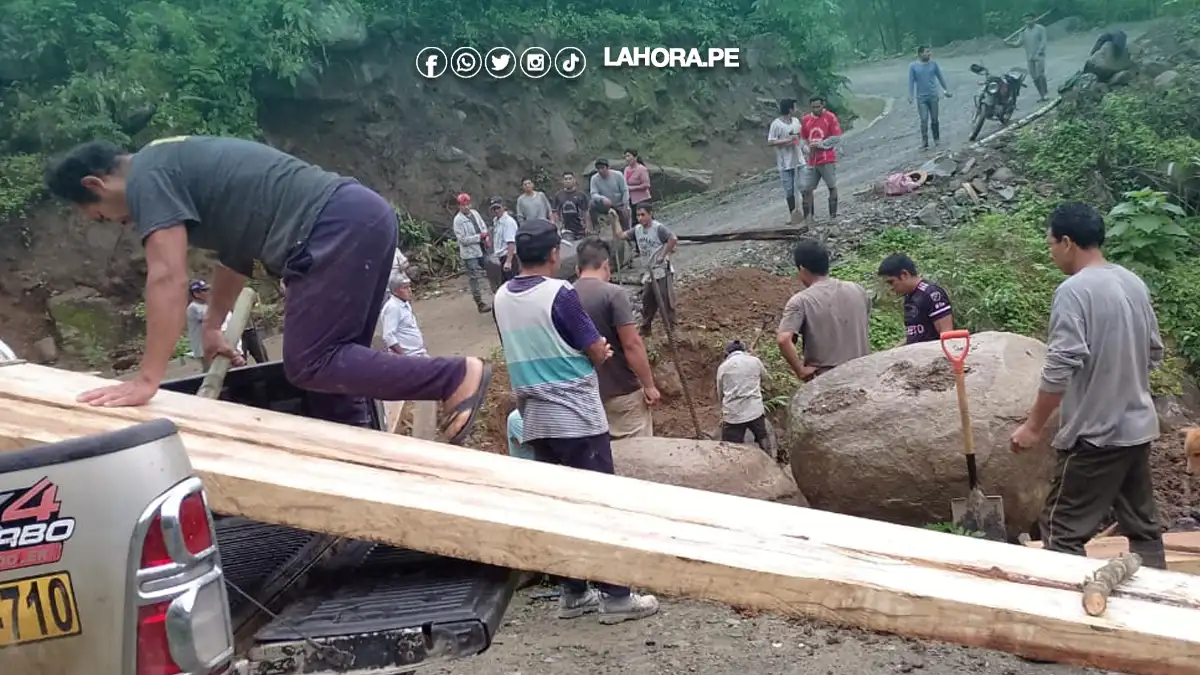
(997, 97)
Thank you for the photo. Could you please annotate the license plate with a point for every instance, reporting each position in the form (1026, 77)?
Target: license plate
(34, 609)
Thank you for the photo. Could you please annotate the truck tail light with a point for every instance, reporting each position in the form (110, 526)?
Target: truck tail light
(183, 621)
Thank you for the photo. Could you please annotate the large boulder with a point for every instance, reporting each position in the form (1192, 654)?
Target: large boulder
(880, 436)
(1106, 63)
(715, 466)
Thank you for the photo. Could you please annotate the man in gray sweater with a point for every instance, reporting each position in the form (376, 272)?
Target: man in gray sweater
(1033, 38)
(609, 191)
(1103, 343)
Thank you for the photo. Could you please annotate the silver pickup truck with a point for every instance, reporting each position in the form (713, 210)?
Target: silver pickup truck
(111, 563)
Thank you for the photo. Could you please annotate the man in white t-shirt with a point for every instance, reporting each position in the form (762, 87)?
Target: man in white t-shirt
(784, 136)
(398, 323)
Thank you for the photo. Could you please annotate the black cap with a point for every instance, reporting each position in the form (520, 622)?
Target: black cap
(602, 162)
(496, 201)
(536, 236)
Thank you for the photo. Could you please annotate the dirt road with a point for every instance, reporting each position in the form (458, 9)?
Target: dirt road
(891, 143)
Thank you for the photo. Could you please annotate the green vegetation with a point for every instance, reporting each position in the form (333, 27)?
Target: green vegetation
(1135, 155)
(951, 528)
(886, 27)
(74, 70)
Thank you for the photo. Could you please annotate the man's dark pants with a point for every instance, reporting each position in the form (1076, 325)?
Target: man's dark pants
(650, 305)
(1089, 482)
(736, 433)
(336, 284)
(590, 453)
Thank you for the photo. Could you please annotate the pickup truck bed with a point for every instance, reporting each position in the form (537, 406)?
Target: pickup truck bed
(306, 602)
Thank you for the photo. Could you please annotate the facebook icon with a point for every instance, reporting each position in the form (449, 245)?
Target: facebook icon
(432, 62)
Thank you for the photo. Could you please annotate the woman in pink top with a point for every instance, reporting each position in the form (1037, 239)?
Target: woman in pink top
(637, 177)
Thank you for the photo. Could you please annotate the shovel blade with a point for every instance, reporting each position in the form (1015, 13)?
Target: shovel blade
(980, 513)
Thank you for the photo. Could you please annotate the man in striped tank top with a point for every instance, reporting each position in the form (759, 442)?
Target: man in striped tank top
(552, 349)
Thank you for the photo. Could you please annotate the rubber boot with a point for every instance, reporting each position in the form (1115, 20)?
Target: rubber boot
(809, 210)
(1153, 553)
(793, 214)
(833, 206)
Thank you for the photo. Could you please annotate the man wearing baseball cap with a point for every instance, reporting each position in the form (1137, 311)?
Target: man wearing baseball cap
(552, 349)
(196, 310)
(502, 259)
(472, 236)
(329, 237)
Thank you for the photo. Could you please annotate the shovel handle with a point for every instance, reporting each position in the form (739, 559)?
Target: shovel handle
(957, 360)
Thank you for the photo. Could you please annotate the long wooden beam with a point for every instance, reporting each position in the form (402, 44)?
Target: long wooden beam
(468, 504)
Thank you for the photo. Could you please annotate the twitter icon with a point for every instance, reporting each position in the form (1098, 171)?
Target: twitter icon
(500, 62)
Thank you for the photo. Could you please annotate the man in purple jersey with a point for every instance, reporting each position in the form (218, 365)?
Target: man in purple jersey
(927, 311)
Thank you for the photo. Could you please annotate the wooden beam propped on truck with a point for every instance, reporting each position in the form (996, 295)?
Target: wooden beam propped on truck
(495, 509)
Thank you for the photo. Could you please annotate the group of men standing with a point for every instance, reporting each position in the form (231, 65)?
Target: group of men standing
(489, 251)
(1103, 343)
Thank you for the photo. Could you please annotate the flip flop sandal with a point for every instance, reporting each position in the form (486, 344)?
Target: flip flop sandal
(472, 403)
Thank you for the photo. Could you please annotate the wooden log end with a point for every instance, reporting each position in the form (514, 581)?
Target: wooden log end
(1101, 583)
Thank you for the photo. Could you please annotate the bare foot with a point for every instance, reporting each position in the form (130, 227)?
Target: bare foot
(468, 387)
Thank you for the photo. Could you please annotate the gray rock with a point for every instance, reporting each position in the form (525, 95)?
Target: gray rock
(1003, 175)
(1007, 193)
(980, 185)
(1105, 63)
(1155, 68)
(47, 351)
(614, 91)
(1121, 79)
(1171, 413)
(89, 324)
(728, 468)
(856, 448)
(929, 216)
(940, 167)
(1166, 78)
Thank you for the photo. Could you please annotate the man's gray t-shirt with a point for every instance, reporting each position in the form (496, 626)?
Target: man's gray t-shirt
(243, 200)
(1034, 41)
(1103, 342)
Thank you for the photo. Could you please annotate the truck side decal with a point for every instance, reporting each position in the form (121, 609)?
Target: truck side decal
(32, 529)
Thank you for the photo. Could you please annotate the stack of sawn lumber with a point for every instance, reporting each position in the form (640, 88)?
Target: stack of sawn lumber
(464, 503)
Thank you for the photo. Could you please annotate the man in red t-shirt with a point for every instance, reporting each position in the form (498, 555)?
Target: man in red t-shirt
(821, 130)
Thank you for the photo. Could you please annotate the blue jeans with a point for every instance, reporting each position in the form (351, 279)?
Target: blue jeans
(927, 109)
(791, 180)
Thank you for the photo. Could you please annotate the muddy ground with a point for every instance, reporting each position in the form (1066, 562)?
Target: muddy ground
(708, 639)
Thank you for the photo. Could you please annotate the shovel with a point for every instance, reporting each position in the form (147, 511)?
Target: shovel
(976, 513)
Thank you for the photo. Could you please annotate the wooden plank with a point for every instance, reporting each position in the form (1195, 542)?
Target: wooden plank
(394, 411)
(1178, 559)
(496, 509)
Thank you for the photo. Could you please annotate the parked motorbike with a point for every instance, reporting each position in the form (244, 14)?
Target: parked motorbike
(997, 97)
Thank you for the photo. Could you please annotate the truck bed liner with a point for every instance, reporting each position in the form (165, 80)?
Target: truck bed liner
(341, 605)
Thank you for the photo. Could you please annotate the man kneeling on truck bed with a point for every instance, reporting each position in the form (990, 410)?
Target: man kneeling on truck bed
(330, 238)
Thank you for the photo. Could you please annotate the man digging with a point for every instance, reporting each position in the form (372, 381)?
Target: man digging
(329, 237)
(656, 244)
